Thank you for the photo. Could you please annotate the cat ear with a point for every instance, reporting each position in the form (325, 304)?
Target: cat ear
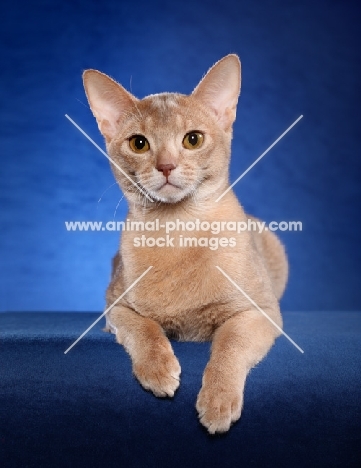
(220, 88)
(108, 100)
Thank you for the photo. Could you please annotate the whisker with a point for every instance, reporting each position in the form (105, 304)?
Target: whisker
(101, 196)
(116, 208)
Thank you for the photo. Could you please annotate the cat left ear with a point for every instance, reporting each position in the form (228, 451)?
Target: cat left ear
(220, 88)
(108, 100)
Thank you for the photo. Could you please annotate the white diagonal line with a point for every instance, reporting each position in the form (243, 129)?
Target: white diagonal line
(107, 156)
(107, 310)
(262, 311)
(259, 158)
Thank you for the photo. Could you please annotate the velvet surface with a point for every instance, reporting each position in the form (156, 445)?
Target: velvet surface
(298, 57)
(86, 409)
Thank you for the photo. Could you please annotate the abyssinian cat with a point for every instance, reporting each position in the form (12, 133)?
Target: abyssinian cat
(176, 149)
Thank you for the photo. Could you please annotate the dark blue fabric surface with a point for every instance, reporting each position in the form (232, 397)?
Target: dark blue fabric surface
(86, 409)
(298, 57)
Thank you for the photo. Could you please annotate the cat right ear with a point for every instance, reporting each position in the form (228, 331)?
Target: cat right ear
(220, 88)
(108, 100)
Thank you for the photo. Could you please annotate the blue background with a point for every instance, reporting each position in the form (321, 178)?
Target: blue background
(297, 58)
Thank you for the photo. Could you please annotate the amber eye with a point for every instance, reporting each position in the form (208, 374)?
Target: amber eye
(138, 144)
(193, 140)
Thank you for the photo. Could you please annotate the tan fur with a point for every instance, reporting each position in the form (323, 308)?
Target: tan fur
(184, 295)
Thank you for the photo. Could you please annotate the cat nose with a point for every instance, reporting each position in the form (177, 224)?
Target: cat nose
(166, 169)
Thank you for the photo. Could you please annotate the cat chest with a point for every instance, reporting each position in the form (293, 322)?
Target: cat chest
(187, 307)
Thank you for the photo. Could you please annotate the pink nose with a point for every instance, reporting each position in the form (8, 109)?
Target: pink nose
(166, 169)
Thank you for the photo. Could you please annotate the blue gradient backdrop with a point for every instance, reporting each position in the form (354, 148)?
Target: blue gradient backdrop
(297, 58)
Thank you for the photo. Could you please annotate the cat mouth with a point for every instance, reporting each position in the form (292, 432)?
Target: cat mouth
(167, 192)
(161, 191)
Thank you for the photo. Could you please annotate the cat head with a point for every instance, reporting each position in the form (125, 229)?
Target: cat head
(173, 146)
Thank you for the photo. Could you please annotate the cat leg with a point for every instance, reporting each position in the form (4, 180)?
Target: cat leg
(154, 363)
(116, 266)
(238, 344)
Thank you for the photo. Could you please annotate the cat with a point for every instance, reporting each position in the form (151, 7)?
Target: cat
(176, 149)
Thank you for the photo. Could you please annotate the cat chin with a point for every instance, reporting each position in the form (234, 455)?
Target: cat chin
(169, 199)
(170, 195)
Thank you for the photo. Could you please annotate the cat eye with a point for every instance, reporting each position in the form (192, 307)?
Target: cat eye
(193, 140)
(138, 144)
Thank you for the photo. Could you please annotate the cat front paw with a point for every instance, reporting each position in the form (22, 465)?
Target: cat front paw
(159, 373)
(218, 407)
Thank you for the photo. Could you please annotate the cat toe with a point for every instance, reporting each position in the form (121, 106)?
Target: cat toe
(218, 410)
(160, 376)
